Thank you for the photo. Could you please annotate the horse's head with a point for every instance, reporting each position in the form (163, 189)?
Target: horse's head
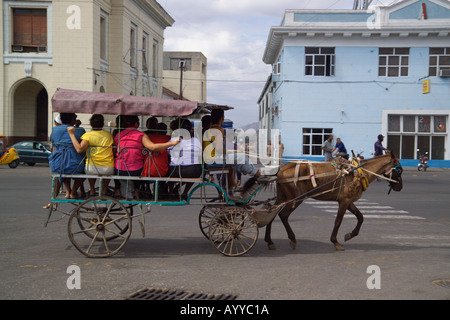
(395, 174)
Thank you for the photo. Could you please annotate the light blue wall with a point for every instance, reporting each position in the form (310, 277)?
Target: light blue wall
(317, 102)
(413, 11)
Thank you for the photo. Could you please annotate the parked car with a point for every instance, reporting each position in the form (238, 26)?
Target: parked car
(32, 152)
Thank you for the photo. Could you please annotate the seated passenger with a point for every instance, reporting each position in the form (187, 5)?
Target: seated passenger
(130, 143)
(65, 159)
(239, 162)
(186, 158)
(100, 159)
(156, 164)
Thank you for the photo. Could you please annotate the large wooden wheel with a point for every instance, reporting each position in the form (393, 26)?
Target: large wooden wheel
(206, 214)
(99, 227)
(233, 231)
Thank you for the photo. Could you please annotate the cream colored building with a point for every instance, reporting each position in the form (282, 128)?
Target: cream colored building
(94, 45)
(191, 84)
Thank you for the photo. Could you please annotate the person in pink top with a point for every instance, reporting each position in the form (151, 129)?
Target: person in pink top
(130, 155)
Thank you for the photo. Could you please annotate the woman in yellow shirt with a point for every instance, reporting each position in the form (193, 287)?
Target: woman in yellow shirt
(100, 159)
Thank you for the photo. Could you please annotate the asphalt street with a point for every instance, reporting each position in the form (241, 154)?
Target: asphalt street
(402, 251)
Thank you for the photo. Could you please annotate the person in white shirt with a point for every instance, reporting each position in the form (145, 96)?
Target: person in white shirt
(186, 157)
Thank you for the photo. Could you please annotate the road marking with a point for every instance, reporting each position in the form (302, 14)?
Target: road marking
(387, 216)
(370, 210)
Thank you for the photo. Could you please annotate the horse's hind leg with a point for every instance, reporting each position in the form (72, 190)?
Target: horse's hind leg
(353, 209)
(284, 216)
(337, 224)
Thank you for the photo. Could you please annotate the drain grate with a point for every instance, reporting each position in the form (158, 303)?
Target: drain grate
(442, 283)
(167, 294)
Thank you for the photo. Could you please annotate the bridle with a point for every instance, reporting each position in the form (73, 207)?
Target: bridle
(394, 175)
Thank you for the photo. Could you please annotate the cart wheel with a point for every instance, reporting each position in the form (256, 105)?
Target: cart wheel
(99, 227)
(206, 214)
(233, 231)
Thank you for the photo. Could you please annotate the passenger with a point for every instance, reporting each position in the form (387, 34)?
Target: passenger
(65, 159)
(186, 158)
(100, 159)
(206, 123)
(156, 163)
(214, 156)
(130, 156)
(236, 160)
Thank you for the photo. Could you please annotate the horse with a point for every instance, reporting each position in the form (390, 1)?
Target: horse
(343, 182)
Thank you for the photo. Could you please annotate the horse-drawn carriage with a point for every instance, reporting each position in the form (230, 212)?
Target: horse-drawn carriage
(100, 226)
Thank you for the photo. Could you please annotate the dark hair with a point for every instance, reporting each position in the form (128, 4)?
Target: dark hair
(66, 118)
(151, 123)
(162, 128)
(97, 121)
(206, 122)
(130, 121)
(216, 115)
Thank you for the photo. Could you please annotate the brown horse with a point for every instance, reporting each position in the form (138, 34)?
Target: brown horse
(330, 181)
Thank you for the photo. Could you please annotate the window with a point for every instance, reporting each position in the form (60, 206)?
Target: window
(409, 133)
(319, 61)
(29, 30)
(277, 68)
(104, 36)
(155, 59)
(393, 62)
(145, 53)
(133, 45)
(313, 139)
(439, 60)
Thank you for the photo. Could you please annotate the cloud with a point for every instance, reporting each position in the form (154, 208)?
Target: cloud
(232, 34)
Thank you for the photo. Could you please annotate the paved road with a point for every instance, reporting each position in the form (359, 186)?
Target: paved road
(406, 236)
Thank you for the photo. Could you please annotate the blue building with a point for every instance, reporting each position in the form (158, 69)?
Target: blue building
(361, 73)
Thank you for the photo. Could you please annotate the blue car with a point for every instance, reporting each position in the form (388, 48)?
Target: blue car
(32, 152)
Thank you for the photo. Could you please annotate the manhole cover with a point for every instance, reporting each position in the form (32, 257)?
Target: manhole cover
(167, 294)
(442, 283)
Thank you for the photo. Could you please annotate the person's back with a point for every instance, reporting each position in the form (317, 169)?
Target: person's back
(130, 156)
(157, 163)
(100, 148)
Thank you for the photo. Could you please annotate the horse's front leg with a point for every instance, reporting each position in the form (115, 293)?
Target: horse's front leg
(268, 238)
(337, 223)
(353, 209)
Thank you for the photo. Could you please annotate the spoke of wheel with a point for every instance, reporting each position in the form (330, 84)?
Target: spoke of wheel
(115, 233)
(92, 242)
(105, 242)
(112, 204)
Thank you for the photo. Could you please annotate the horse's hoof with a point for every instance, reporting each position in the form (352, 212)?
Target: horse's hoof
(339, 247)
(293, 245)
(348, 236)
(271, 247)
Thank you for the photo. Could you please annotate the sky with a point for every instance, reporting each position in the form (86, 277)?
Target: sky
(232, 34)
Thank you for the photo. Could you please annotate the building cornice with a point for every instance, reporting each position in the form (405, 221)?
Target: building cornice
(357, 24)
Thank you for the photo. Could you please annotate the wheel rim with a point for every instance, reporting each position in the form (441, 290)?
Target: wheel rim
(99, 227)
(233, 231)
(206, 214)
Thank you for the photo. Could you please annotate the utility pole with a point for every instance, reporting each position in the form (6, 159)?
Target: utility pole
(182, 66)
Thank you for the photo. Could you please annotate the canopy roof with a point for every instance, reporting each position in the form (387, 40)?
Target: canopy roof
(74, 101)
